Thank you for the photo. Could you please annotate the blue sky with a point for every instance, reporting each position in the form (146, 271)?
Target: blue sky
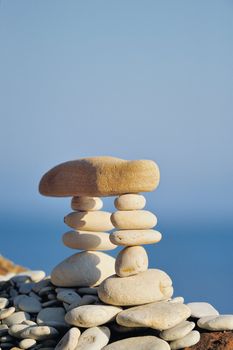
(134, 79)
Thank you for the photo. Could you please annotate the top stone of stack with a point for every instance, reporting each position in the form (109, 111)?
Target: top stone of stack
(100, 176)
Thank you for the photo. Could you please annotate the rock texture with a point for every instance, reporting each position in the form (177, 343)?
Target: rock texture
(214, 341)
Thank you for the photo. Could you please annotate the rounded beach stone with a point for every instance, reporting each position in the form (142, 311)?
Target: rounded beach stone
(51, 316)
(160, 315)
(69, 296)
(87, 240)
(135, 237)
(133, 220)
(27, 343)
(202, 309)
(16, 318)
(85, 269)
(4, 313)
(178, 331)
(39, 332)
(70, 340)
(35, 275)
(139, 343)
(16, 330)
(130, 202)
(216, 323)
(89, 220)
(94, 338)
(86, 203)
(91, 315)
(130, 261)
(189, 340)
(145, 287)
(100, 176)
(29, 304)
(3, 303)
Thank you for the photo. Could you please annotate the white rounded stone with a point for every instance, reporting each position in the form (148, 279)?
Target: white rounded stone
(16, 329)
(133, 220)
(177, 300)
(145, 287)
(27, 343)
(94, 338)
(70, 340)
(38, 332)
(4, 313)
(92, 315)
(16, 318)
(139, 343)
(130, 202)
(159, 315)
(135, 237)
(3, 303)
(86, 203)
(89, 220)
(130, 261)
(178, 331)
(216, 323)
(69, 296)
(51, 316)
(189, 340)
(29, 304)
(202, 309)
(35, 275)
(88, 240)
(85, 269)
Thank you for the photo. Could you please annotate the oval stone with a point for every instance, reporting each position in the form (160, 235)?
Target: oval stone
(177, 332)
(51, 316)
(94, 338)
(130, 261)
(130, 202)
(135, 237)
(4, 313)
(87, 240)
(145, 287)
(189, 340)
(3, 303)
(27, 343)
(16, 318)
(89, 220)
(70, 340)
(202, 309)
(216, 323)
(91, 315)
(86, 203)
(139, 343)
(29, 304)
(133, 220)
(85, 269)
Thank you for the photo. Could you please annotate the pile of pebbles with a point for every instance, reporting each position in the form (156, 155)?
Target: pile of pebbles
(35, 314)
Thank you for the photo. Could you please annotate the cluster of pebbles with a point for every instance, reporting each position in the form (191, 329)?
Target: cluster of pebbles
(93, 301)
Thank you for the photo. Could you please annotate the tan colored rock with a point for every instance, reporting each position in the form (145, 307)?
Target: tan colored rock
(189, 340)
(85, 269)
(86, 203)
(100, 176)
(160, 315)
(130, 261)
(135, 237)
(88, 240)
(133, 220)
(145, 287)
(139, 343)
(94, 338)
(70, 340)
(130, 201)
(178, 331)
(89, 220)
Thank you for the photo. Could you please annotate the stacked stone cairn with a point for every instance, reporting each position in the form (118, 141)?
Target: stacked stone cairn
(92, 301)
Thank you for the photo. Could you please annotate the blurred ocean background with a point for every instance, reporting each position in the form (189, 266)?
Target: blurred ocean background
(132, 79)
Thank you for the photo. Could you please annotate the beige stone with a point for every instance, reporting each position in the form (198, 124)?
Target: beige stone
(100, 176)
(130, 201)
(216, 323)
(160, 315)
(88, 240)
(130, 261)
(16, 318)
(135, 237)
(27, 343)
(85, 269)
(145, 287)
(139, 343)
(94, 338)
(178, 331)
(38, 332)
(202, 309)
(4, 313)
(89, 220)
(70, 340)
(133, 220)
(86, 203)
(187, 341)
(91, 315)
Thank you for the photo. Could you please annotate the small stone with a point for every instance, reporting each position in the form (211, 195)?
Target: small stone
(16, 329)
(85, 300)
(130, 202)
(189, 340)
(88, 290)
(94, 338)
(130, 261)
(178, 331)
(17, 299)
(27, 343)
(69, 340)
(139, 343)
(89, 220)
(86, 203)
(177, 300)
(35, 275)
(46, 291)
(52, 316)
(42, 284)
(88, 240)
(26, 288)
(92, 315)
(216, 323)
(3, 303)
(85, 269)
(135, 237)
(39, 332)
(145, 287)
(4, 313)
(50, 303)
(16, 318)
(201, 309)
(159, 315)
(29, 304)
(69, 297)
(133, 220)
